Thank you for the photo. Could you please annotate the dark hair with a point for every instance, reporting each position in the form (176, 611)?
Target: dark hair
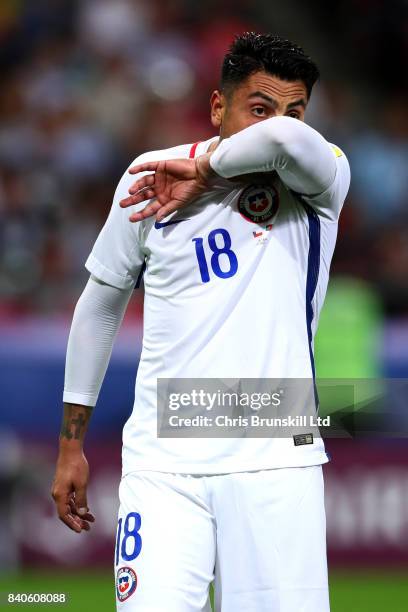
(251, 52)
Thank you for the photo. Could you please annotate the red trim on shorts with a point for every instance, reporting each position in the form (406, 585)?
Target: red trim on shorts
(193, 149)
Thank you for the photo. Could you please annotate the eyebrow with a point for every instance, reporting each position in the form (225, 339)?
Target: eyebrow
(274, 103)
(300, 102)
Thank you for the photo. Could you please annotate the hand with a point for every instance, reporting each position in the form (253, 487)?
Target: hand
(174, 184)
(69, 490)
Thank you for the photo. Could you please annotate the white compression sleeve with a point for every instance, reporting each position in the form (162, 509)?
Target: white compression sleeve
(300, 155)
(97, 318)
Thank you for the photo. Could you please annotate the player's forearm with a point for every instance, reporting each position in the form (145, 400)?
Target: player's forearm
(74, 425)
(96, 320)
(300, 155)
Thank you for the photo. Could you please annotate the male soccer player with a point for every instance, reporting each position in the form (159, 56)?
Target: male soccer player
(235, 236)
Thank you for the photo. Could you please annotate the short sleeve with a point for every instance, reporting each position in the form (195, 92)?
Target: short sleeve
(330, 202)
(117, 257)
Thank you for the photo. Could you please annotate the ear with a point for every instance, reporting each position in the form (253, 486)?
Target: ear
(217, 103)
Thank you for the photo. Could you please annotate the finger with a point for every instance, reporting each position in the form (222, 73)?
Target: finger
(61, 500)
(70, 522)
(146, 194)
(167, 209)
(149, 210)
(85, 526)
(85, 517)
(66, 516)
(80, 500)
(145, 181)
(146, 167)
(73, 517)
(88, 517)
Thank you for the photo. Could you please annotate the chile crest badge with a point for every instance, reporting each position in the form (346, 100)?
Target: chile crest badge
(259, 203)
(126, 583)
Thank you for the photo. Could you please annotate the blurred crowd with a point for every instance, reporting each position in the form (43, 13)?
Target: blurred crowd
(88, 85)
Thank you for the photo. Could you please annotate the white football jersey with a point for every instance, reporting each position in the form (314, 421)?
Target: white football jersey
(234, 284)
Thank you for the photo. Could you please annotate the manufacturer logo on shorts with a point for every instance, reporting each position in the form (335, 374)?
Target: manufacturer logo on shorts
(259, 203)
(126, 583)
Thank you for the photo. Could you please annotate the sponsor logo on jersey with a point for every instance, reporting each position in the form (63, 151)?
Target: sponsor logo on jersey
(159, 225)
(126, 583)
(259, 203)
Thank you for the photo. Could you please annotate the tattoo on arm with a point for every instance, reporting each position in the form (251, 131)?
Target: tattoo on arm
(75, 421)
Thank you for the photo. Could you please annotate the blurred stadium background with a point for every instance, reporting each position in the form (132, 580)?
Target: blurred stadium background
(86, 87)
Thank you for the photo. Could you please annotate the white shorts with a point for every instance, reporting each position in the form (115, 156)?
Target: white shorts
(261, 536)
